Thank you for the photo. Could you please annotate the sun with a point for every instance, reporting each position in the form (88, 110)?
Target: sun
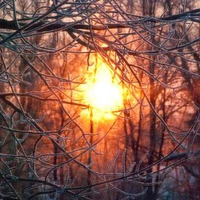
(102, 91)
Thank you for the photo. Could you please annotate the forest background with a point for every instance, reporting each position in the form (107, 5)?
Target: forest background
(99, 99)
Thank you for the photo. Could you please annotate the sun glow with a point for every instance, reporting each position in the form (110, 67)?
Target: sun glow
(102, 91)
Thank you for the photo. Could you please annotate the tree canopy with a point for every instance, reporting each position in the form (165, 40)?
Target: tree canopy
(53, 142)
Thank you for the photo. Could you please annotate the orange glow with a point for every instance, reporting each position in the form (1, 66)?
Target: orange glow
(102, 91)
